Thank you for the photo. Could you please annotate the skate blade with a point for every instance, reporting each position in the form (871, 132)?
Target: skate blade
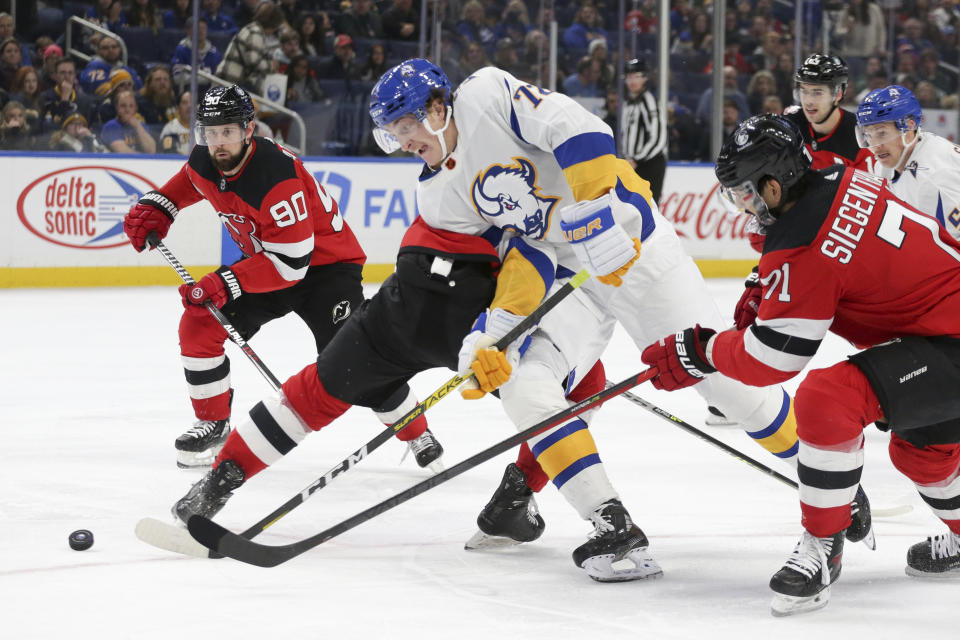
(481, 540)
(197, 459)
(870, 540)
(952, 574)
(783, 605)
(170, 537)
(638, 564)
(437, 466)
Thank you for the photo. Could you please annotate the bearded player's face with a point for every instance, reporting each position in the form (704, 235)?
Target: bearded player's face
(226, 145)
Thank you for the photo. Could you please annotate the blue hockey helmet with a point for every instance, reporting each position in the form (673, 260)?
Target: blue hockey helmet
(404, 89)
(890, 104)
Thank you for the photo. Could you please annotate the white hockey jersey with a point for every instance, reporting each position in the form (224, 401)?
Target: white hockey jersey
(522, 153)
(930, 181)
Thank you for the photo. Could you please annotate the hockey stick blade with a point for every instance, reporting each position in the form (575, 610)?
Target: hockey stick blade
(170, 537)
(224, 542)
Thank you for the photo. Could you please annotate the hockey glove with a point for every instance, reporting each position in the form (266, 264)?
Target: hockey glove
(491, 368)
(681, 359)
(218, 287)
(601, 245)
(153, 213)
(749, 303)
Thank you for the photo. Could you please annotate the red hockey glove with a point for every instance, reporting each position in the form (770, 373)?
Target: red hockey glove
(153, 213)
(749, 303)
(218, 287)
(681, 359)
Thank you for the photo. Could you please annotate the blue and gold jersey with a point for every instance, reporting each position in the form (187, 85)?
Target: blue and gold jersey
(522, 154)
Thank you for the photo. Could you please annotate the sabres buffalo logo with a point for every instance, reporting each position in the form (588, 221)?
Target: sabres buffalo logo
(243, 231)
(511, 191)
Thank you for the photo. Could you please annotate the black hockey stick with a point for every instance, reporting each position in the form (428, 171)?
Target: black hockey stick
(170, 537)
(689, 428)
(212, 308)
(344, 465)
(224, 542)
(882, 512)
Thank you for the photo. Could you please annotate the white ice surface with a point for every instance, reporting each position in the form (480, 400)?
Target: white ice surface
(93, 397)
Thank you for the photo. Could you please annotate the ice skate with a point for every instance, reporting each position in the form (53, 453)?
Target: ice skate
(715, 418)
(861, 523)
(617, 549)
(199, 445)
(936, 557)
(802, 584)
(511, 516)
(426, 449)
(208, 496)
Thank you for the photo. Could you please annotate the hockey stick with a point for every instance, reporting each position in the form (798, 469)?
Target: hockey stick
(212, 308)
(759, 466)
(689, 428)
(173, 538)
(224, 542)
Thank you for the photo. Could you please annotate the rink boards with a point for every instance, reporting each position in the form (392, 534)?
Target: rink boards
(61, 219)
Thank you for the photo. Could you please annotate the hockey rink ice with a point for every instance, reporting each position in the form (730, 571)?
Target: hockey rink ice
(93, 397)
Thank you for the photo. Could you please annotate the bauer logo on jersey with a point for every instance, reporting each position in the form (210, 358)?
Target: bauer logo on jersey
(243, 231)
(510, 192)
(81, 207)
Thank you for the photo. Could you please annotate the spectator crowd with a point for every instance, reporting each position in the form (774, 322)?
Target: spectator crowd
(330, 52)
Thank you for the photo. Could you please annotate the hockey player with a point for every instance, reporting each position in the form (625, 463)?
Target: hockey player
(299, 255)
(843, 254)
(537, 165)
(828, 131)
(830, 136)
(922, 168)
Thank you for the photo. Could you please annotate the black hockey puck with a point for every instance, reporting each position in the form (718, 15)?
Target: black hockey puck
(81, 540)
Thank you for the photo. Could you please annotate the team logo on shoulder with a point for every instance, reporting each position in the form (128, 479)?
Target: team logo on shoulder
(511, 191)
(341, 311)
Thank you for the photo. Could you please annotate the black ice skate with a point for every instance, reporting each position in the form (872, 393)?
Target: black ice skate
(199, 445)
(935, 557)
(427, 450)
(861, 523)
(208, 496)
(617, 549)
(511, 516)
(802, 584)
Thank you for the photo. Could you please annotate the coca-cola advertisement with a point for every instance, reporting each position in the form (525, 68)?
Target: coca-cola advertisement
(691, 202)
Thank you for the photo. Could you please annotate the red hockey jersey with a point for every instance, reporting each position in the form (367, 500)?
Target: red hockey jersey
(282, 219)
(840, 146)
(851, 258)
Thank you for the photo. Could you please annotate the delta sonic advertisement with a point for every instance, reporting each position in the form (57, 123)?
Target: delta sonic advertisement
(62, 218)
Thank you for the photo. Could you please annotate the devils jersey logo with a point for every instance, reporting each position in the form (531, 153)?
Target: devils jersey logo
(243, 230)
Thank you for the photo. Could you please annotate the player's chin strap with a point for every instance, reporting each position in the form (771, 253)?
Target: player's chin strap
(907, 149)
(439, 133)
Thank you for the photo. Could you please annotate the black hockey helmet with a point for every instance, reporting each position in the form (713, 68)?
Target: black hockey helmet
(223, 105)
(637, 65)
(764, 146)
(823, 69)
